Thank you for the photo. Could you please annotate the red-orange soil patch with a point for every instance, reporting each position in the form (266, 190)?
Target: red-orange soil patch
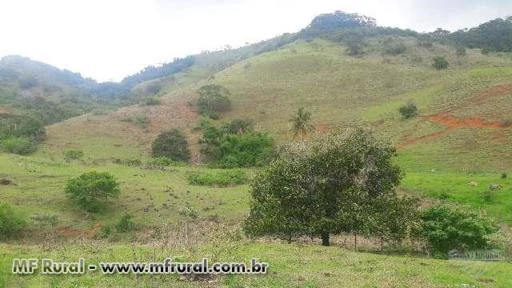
(451, 121)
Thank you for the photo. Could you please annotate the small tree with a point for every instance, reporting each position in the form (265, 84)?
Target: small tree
(445, 228)
(171, 144)
(440, 63)
(213, 99)
(336, 184)
(10, 221)
(301, 123)
(408, 110)
(89, 190)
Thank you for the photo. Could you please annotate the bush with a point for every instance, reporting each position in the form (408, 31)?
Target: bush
(445, 228)
(440, 63)
(141, 120)
(503, 175)
(229, 150)
(171, 144)
(150, 101)
(188, 211)
(126, 224)
(10, 221)
(21, 126)
(408, 110)
(213, 100)
(485, 51)
(73, 154)
(18, 145)
(237, 126)
(90, 189)
(221, 179)
(393, 47)
(460, 51)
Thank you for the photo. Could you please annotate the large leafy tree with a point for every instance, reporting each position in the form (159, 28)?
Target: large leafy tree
(342, 182)
(301, 123)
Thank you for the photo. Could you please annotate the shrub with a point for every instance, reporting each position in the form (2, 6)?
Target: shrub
(440, 63)
(21, 126)
(445, 228)
(237, 126)
(460, 51)
(171, 144)
(161, 162)
(485, 51)
(141, 120)
(90, 189)
(213, 100)
(221, 179)
(126, 224)
(235, 150)
(73, 154)
(392, 47)
(408, 110)
(188, 211)
(10, 221)
(150, 101)
(503, 175)
(18, 145)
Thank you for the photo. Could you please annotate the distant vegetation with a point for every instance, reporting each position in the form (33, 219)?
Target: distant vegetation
(213, 100)
(171, 144)
(20, 134)
(440, 63)
(220, 179)
(235, 144)
(152, 72)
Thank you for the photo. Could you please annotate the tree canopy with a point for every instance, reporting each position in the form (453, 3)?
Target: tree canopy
(342, 182)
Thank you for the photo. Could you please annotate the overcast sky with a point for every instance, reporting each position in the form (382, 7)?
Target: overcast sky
(110, 39)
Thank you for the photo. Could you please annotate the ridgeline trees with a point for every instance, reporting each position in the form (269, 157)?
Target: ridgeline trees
(90, 190)
(171, 144)
(301, 123)
(344, 182)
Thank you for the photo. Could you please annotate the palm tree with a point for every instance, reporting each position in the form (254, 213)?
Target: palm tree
(301, 123)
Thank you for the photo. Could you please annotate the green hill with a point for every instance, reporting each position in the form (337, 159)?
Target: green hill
(345, 73)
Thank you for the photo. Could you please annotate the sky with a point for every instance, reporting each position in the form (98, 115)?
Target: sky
(109, 39)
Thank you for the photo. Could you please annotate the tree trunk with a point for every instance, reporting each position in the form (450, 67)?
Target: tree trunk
(325, 239)
(355, 241)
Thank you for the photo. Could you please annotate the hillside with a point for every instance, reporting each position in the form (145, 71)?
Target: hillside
(346, 73)
(463, 111)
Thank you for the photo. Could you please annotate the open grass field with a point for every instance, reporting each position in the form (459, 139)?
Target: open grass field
(457, 147)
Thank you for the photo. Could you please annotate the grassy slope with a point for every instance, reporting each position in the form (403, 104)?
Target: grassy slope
(215, 234)
(340, 91)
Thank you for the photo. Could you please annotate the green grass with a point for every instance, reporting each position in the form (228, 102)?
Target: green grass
(340, 91)
(295, 265)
